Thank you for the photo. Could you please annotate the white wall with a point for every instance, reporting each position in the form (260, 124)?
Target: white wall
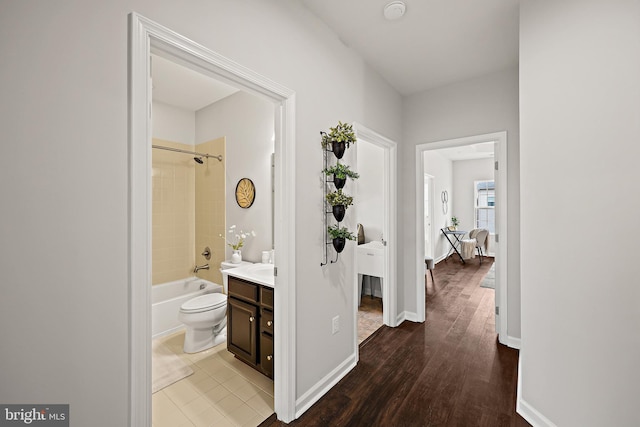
(580, 104)
(441, 169)
(465, 173)
(173, 124)
(247, 123)
(481, 105)
(64, 74)
(368, 198)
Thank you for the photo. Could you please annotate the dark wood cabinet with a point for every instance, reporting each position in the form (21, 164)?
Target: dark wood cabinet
(250, 324)
(242, 330)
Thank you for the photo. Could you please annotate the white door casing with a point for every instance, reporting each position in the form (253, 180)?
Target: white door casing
(146, 36)
(501, 252)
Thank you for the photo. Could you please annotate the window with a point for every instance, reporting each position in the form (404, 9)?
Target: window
(485, 202)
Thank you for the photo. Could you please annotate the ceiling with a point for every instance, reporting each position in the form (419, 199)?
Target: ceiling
(483, 150)
(181, 87)
(436, 42)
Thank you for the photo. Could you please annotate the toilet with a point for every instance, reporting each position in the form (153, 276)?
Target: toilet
(205, 317)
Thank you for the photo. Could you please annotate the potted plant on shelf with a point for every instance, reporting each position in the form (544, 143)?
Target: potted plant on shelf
(339, 137)
(339, 203)
(339, 236)
(340, 174)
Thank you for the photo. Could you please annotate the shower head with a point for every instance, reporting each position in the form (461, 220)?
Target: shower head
(198, 160)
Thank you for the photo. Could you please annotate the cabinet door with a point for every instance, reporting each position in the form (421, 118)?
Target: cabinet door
(266, 354)
(242, 330)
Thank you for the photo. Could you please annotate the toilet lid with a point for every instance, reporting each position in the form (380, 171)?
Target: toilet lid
(205, 302)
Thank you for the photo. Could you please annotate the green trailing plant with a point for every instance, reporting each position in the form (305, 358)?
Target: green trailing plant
(336, 198)
(342, 132)
(337, 232)
(454, 221)
(341, 171)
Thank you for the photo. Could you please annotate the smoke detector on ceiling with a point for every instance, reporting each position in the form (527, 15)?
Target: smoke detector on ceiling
(394, 10)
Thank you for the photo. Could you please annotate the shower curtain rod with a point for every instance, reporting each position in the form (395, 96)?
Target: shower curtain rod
(177, 150)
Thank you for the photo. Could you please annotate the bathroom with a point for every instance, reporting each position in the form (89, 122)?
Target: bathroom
(194, 203)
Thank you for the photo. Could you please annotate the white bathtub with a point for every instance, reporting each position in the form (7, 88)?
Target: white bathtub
(167, 298)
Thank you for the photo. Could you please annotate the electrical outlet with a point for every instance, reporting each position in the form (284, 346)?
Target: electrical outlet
(335, 325)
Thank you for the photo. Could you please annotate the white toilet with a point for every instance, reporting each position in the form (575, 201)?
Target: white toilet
(205, 317)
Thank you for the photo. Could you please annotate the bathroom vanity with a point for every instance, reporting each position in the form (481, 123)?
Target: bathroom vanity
(250, 317)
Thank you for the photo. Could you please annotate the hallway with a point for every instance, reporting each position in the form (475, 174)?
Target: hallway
(449, 371)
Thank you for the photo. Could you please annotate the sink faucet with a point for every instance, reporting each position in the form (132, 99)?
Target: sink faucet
(200, 267)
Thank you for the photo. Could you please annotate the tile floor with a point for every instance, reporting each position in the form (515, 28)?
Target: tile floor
(369, 316)
(221, 392)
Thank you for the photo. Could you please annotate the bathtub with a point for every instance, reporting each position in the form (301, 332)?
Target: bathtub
(166, 299)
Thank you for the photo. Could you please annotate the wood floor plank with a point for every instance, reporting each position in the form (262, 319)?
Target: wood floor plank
(448, 371)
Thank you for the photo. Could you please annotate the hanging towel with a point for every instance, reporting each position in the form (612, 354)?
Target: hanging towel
(468, 248)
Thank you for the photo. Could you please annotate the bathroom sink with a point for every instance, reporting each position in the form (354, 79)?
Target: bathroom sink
(257, 273)
(262, 270)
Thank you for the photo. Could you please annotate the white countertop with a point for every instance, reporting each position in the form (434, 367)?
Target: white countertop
(257, 273)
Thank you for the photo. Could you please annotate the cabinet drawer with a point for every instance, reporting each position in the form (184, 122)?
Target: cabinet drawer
(266, 297)
(243, 290)
(266, 321)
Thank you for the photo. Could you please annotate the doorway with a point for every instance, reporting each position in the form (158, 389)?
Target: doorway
(384, 223)
(146, 37)
(499, 140)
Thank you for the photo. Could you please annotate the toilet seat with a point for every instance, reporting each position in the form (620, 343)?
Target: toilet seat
(204, 303)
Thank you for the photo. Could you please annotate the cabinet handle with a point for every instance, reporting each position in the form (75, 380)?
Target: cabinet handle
(269, 323)
(251, 319)
(269, 357)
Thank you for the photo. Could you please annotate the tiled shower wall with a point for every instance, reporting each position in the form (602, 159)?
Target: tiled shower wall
(188, 211)
(173, 218)
(210, 209)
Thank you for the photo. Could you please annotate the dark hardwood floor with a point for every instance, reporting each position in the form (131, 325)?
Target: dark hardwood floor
(448, 371)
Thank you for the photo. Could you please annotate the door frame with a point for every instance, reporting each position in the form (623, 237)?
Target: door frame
(501, 253)
(389, 227)
(146, 36)
(430, 178)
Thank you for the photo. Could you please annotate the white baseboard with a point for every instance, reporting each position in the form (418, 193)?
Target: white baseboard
(528, 412)
(407, 315)
(324, 385)
(510, 341)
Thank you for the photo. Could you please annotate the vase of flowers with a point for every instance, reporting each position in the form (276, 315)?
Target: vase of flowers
(236, 241)
(454, 223)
